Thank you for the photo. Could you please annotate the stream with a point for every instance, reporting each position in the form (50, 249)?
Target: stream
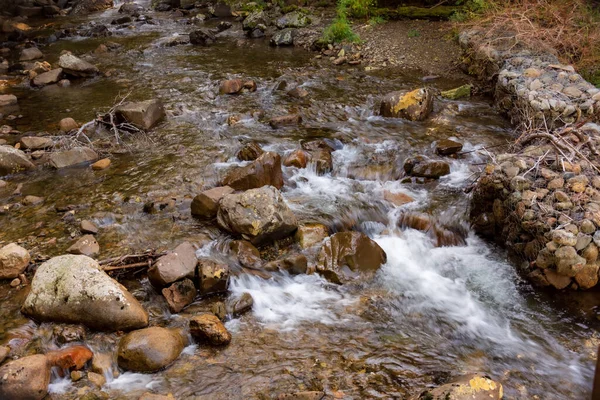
(431, 313)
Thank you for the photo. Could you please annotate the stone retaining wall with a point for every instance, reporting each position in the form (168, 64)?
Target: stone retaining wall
(541, 200)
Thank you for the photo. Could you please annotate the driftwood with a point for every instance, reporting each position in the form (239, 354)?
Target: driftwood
(130, 261)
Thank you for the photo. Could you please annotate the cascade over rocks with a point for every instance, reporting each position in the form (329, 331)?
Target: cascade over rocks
(350, 257)
(73, 289)
(265, 170)
(150, 349)
(259, 215)
(422, 167)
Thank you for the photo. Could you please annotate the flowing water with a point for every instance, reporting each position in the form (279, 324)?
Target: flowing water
(431, 312)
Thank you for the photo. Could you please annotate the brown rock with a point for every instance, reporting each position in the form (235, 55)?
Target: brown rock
(298, 93)
(231, 86)
(208, 328)
(13, 160)
(250, 86)
(206, 204)
(149, 349)
(285, 120)
(144, 114)
(86, 245)
(349, 256)
(590, 253)
(313, 395)
(75, 66)
(4, 352)
(68, 125)
(25, 379)
(179, 295)
(76, 375)
(250, 152)
(213, 277)
(36, 142)
(446, 147)
(587, 278)
(295, 264)
(414, 106)
(88, 227)
(398, 199)
(179, 264)
(298, 158)
(568, 263)
(247, 255)
(72, 157)
(74, 357)
(152, 396)
(241, 305)
(309, 235)
(259, 215)
(557, 280)
(102, 364)
(31, 53)
(323, 161)
(468, 387)
(422, 167)
(101, 164)
(96, 379)
(265, 170)
(13, 261)
(47, 78)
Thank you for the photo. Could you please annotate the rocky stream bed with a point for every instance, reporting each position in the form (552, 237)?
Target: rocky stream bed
(267, 222)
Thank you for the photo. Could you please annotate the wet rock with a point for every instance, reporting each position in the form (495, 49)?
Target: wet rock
(424, 168)
(294, 19)
(224, 25)
(86, 245)
(323, 161)
(36, 142)
(556, 280)
(88, 227)
(32, 53)
(143, 114)
(285, 120)
(284, 37)
(202, 37)
(4, 352)
(298, 93)
(457, 93)
(101, 164)
(8, 103)
(76, 376)
(25, 379)
(446, 147)
(265, 170)
(73, 357)
(69, 333)
(241, 305)
(259, 215)
(587, 277)
(72, 157)
(206, 204)
(414, 106)
(298, 158)
(247, 255)
(131, 8)
(213, 277)
(208, 328)
(77, 67)
(47, 78)
(85, 7)
(563, 238)
(73, 289)
(102, 364)
(14, 259)
(250, 152)
(68, 125)
(294, 264)
(568, 263)
(469, 387)
(13, 160)
(179, 295)
(255, 21)
(397, 199)
(178, 264)
(32, 200)
(152, 396)
(350, 256)
(231, 86)
(96, 379)
(309, 235)
(150, 349)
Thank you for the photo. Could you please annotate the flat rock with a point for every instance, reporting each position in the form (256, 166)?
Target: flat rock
(77, 67)
(72, 157)
(178, 264)
(73, 289)
(36, 142)
(144, 114)
(88, 227)
(47, 78)
(86, 245)
(13, 160)
(32, 53)
(446, 147)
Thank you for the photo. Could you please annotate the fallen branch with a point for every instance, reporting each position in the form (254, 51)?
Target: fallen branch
(127, 266)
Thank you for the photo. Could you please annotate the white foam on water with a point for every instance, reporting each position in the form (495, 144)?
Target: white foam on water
(130, 381)
(60, 385)
(284, 302)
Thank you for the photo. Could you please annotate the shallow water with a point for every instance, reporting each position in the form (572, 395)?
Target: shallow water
(431, 313)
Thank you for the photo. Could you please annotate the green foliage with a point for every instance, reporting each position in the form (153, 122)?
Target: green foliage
(253, 6)
(377, 20)
(340, 31)
(413, 33)
(471, 9)
(357, 8)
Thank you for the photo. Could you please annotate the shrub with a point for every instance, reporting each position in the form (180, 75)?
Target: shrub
(340, 31)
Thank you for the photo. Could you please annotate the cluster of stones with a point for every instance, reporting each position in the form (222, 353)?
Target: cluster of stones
(547, 216)
(531, 87)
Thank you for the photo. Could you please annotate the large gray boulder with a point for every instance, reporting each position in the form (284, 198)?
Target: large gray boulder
(72, 157)
(73, 289)
(259, 215)
(295, 19)
(13, 160)
(77, 67)
(143, 114)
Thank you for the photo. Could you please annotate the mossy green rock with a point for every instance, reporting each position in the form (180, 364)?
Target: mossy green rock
(458, 93)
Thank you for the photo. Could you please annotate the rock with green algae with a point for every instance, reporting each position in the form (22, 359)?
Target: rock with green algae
(415, 105)
(457, 93)
(468, 387)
